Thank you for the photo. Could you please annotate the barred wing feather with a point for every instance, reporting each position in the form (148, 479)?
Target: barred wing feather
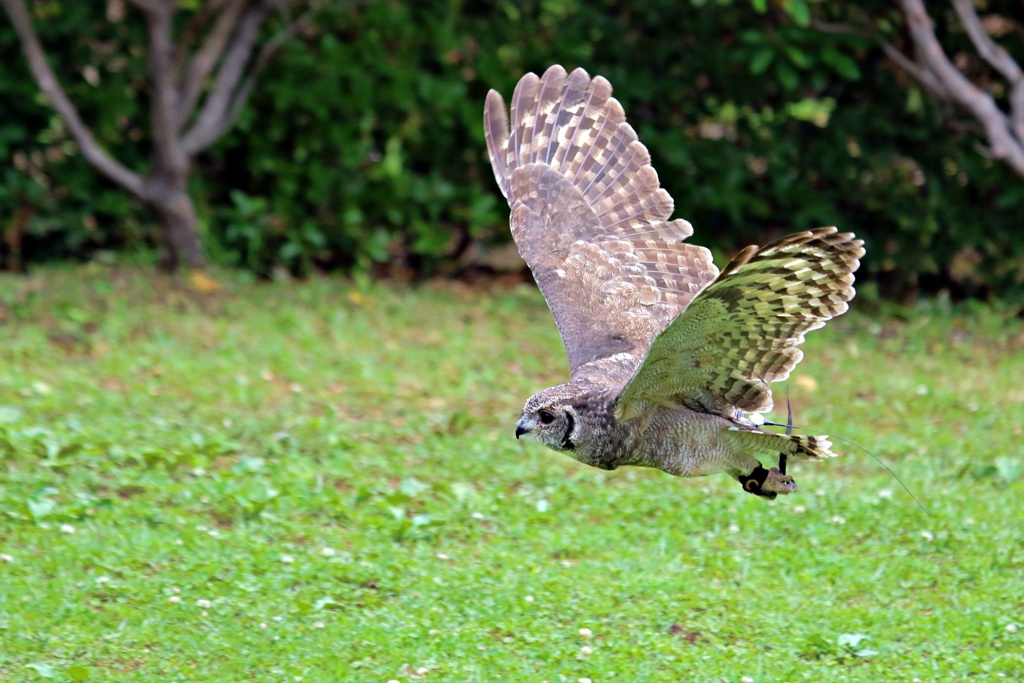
(588, 215)
(744, 330)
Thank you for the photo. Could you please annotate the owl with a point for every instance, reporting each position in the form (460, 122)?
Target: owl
(670, 360)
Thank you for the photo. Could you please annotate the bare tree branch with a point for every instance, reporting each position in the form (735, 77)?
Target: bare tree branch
(998, 58)
(193, 80)
(241, 95)
(919, 73)
(1005, 145)
(864, 27)
(168, 153)
(204, 131)
(987, 48)
(51, 88)
(835, 27)
(195, 26)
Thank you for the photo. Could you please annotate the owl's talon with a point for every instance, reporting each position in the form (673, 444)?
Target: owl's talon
(778, 482)
(767, 483)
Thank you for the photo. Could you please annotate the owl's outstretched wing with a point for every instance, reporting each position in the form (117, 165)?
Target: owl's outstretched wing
(588, 216)
(743, 331)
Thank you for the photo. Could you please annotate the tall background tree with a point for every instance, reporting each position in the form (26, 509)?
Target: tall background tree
(987, 84)
(965, 57)
(201, 71)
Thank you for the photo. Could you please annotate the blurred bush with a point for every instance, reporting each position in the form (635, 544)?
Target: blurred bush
(362, 147)
(52, 203)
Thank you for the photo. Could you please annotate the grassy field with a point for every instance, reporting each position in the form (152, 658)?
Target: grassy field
(317, 482)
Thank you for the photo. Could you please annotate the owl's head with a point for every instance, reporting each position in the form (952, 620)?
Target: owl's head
(551, 418)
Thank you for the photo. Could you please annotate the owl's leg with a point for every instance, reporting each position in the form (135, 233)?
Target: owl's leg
(767, 483)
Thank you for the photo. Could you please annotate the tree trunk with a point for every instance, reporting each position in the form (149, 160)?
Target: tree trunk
(171, 204)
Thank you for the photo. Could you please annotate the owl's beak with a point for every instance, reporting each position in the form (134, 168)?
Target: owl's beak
(520, 429)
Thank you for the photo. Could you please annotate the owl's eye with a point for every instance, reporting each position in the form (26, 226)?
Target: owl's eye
(546, 417)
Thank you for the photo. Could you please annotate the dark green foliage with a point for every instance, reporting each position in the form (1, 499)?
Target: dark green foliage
(73, 210)
(365, 142)
(362, 144)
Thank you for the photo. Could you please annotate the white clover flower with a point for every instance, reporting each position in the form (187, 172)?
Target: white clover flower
(287, 559)
(318, 624)
(263, 624)
(4, 557)
(885, 493)
(442, 556)
(175, 599)
(328, 552)
(202, 602)
(67, 529)
(734, 528)
(836, 519)
(477, 515)
(927, 535)
(177, 541)
(583, 680)
(747, 679)
(102, 579)
(1012, 628)
(586, 633)
(799, 509)
(528, 598)
(586, 651)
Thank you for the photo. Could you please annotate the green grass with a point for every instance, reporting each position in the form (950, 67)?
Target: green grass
(312, 481)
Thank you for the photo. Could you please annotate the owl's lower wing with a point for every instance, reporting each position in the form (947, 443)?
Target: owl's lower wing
(588, 215)
(743, 331)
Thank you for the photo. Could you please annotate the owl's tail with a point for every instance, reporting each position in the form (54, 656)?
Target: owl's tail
(811, 446)
(794, 445)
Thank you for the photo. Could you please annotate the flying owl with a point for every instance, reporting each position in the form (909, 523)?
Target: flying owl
(670, 360)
